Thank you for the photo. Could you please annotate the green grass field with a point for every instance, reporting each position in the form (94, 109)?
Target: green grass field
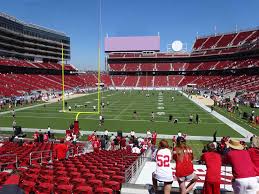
(119, 114)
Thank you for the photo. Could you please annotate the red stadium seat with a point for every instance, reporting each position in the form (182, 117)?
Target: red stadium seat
(103, 190)
(115, 186)
(83, 190)
(64, 189)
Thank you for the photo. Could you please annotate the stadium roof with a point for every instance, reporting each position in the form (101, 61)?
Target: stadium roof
(12, 18)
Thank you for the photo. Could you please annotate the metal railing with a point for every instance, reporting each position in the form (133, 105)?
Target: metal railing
(136, 167)
(9, 162)
(80, 150)
(40, 156)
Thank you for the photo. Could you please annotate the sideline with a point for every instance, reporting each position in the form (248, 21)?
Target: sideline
(160, 136)
(242, 131)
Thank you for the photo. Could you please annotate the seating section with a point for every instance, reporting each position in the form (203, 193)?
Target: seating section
(224, 43)
(88, 173)
(28, 64)
(19, 84)
(92, 172)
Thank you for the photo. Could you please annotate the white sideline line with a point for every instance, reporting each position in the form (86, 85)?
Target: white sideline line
(225, 120)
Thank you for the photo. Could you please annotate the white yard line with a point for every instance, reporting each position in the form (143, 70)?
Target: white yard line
(123, 110)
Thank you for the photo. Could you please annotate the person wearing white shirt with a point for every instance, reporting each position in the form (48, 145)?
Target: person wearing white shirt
(106, 134)
(149, 135)
(135, 150)
(101, 120)
(163, 172)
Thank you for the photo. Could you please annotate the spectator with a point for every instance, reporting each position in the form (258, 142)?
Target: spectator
(213, 162)
(40, 137)
(132, 134)
(106, 134)
(61, 150)
(36, 136)
(123, 143)
(49, 134)
(154, 136)
(164, 172)
(112, 138)
(254, 154)
(149, 135)
(183, 156)
(243, 170)
(45, 137)
(103, 142)
(135, 150)
(96, 145)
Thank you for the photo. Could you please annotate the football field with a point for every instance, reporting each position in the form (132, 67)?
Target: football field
(118, 114)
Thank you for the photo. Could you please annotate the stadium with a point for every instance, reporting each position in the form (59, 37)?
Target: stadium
(66, 130)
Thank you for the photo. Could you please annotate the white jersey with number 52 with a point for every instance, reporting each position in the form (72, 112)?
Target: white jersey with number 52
(164, 170)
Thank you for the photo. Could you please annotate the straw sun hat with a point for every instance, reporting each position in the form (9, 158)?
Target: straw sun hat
(235, 144)
(255, 142)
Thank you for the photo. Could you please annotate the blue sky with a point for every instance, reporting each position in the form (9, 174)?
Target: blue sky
(174, 20)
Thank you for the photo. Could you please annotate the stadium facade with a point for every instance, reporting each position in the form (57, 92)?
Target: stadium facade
(28, 41)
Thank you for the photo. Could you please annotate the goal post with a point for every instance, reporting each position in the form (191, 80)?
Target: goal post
(98, 88)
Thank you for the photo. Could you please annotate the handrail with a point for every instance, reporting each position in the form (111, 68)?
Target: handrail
(133, 169)
(41, 156)
(7, 155)
(80, 150)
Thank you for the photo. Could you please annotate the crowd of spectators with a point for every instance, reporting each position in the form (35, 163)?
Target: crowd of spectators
(243, 159)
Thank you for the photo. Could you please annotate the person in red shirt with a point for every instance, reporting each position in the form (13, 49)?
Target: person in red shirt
(96, 145)
(123, 143)
(183, 156)
(254, 154)
(154, 136)
(36, 136)
(243, 168)
(61, 150)
(213, 162)
(45, 137)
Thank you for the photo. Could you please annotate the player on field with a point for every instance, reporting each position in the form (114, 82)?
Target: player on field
(101, 120)
(69, 108)
(152, 116)
(197, 118)
(94, 108)
(135, 114)
(190, 118)
(172, 98)
(163, 172)
(13, 113)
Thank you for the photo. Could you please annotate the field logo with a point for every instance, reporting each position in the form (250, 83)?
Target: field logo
(160, 113)
(160, 108)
